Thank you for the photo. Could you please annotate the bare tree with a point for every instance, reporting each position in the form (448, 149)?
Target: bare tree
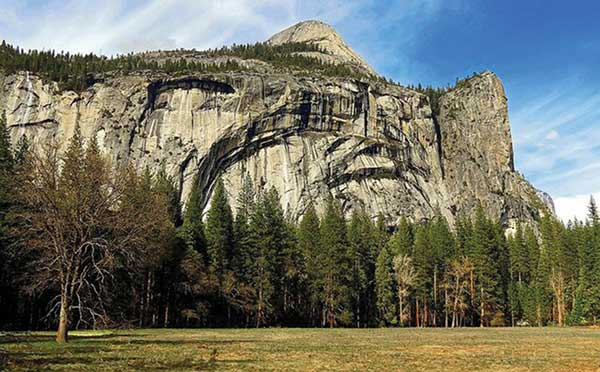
(459, 279)
(558, 285)
(84, 217)
(405, 278)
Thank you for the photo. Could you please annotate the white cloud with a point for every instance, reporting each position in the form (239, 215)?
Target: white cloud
(552, 135)
(571, 207)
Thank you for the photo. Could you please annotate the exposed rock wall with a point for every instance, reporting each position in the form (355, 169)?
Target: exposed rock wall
(372, 145)
(477, 152)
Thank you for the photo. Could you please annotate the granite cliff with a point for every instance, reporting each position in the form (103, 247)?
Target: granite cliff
(367, 142)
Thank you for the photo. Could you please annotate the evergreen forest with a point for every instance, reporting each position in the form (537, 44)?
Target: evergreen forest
(88, 244)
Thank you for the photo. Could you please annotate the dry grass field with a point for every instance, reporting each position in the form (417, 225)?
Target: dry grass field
(494, 349)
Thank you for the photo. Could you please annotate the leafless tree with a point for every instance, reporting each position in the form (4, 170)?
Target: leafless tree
(405, 278)
(558, 285)
(83, 217)
(459, 277)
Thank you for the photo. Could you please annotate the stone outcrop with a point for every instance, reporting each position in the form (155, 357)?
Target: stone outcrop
(370, 144)
(327, 39)
(477, 153)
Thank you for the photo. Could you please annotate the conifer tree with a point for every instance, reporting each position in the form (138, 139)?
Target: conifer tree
(219, 230)
(335, 264)
(273, 241)
(165, 184)
(243, 243)
(402, 240)
(192, 230)
(384, 279)
(309, 244)
(424, 262)
(483, 255)
(442, 251)
(587, 298)
(360, 236)
(6, 189)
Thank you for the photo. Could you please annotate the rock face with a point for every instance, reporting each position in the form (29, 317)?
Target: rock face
(324, 36)
(477, 152)
(372, 145)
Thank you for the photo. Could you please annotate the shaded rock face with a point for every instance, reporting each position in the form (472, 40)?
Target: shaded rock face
(371, 145)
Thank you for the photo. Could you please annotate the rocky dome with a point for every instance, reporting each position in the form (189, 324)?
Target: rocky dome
(324, 36)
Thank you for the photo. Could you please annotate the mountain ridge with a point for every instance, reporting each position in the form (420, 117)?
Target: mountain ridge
(375, 146)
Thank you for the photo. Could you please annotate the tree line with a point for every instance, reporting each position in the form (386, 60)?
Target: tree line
(78, 72)
(88, 244)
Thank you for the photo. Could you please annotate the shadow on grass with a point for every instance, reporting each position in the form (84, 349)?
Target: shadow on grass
(15, 338)
(112, 349)
(43, 361)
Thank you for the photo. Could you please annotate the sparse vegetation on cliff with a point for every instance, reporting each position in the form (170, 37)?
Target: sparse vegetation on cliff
(436, 93)
(79, 71)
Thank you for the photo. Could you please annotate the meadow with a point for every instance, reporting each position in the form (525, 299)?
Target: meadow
(467, 349)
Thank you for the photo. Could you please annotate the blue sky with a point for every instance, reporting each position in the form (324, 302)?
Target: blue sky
(547, 53)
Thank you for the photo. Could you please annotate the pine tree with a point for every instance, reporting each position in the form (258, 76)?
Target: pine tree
(443, 251)
(309, 241)
(219, 230)
(424, 262)
(360, 236)
(384, 279)
(335, 264)
(274, 247)
(7, 166)
(192, 230)
(587, 297)
(165, 184)
(21, 150)
(195, 281)
(484, 254)
(244, 248)
(402, 240)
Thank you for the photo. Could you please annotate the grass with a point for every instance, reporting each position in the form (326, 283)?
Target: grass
(494, 349)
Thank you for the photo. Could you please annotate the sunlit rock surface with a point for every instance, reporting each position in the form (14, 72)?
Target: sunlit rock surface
(372, 145)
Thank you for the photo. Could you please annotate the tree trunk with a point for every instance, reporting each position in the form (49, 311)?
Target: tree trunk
(401, 311)
(260, 307)
(358, 310)
(482, 310)
(63, 322)
(434, 297)
(446, 307)
(142, 305)
(417, 312)
(331, 315)
(472, 288)
(166, 323)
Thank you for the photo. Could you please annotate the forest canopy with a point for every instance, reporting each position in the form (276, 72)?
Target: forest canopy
(85, 244)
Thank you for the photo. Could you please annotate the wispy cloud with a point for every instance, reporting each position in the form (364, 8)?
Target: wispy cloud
(116, 26)
(557, 142)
